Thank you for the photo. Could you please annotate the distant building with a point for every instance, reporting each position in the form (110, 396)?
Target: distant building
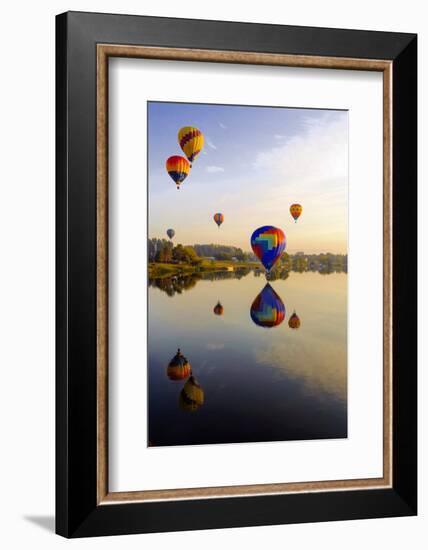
(210, 258)
(234, 259)
(299, 254)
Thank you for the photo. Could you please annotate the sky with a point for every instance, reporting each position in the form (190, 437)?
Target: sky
(256, 162)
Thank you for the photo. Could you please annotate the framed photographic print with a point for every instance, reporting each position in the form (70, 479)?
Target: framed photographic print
(236, 274)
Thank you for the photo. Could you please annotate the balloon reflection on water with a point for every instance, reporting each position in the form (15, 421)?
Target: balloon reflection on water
(179, 367)
(294, 321)
(191, 396)
(218, 310)
(268, 309)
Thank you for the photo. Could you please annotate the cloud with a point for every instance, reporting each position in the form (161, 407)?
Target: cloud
(214, 169)
(211, 144)
(313, 364)
(317, 154)
(279, 136)
(310, 168)
(222, 125)
(214, 347)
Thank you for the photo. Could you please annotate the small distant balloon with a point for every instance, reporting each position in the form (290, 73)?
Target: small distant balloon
(268, 309)
(268, 243)
(179, 367)
(191, 396)
(218, 218)
(295, 211)
(191, 141)
(218, 310)
(170, 233)
(294, 321)
(178, 168)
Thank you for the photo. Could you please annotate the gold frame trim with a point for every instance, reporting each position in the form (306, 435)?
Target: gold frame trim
(104, 51)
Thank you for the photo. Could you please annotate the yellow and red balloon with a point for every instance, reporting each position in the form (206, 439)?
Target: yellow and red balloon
(178, 168)
(179, 367)
(295, 211)
(191, 141)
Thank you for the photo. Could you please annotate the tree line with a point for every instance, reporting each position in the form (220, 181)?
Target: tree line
(164, 251)
(223, 252)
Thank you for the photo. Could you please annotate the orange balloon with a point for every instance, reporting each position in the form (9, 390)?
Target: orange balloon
(178, 168)
(295, 211)
(179, 367)
(218, 310)
(294, 321)
(218, 218)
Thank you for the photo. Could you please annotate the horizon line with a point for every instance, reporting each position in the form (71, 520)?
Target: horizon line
(291, 251)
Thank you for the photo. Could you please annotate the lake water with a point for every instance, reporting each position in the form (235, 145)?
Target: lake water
(250, 382)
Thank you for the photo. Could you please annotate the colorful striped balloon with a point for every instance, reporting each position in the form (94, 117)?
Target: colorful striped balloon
(268, 243)
(295, 211)
(191, 141)
(179, 367)
(268, 309)
(218, 218)
(178, 168)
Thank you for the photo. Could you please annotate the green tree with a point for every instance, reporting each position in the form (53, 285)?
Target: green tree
(191, 256)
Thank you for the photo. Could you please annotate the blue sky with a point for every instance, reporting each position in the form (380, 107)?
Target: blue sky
(255, 163)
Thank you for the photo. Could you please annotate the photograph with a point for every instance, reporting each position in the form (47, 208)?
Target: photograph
(247, 273)
(212, 275)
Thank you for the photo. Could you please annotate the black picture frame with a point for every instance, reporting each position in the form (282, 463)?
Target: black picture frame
(77, 511)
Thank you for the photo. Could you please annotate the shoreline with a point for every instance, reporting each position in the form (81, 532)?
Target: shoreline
(164, 270)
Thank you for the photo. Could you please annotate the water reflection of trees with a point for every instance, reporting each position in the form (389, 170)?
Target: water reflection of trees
(179, 283)
(278, 273)
(237, 273)
(175, 285)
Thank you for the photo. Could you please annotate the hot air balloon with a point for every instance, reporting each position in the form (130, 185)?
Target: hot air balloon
(218, 310)
(179, 367)
(294, 321)
(218, 218)
(191, 396)
(178, 168)
(295, 211)
(268, 243)
(191, 141)
(268, 309)
(170, 233)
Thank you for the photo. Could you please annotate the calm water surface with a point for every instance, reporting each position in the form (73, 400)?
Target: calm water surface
(254, 383)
